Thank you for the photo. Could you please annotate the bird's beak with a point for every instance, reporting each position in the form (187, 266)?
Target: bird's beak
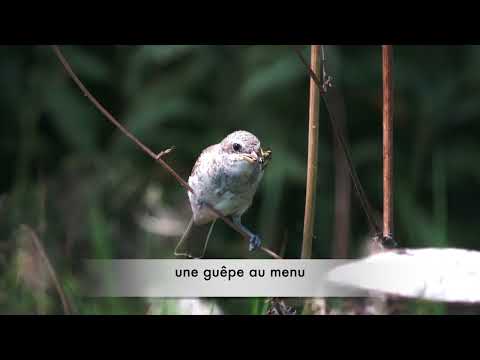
(252, 157)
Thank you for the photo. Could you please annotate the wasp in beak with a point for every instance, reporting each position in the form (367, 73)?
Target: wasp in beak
(265, 157)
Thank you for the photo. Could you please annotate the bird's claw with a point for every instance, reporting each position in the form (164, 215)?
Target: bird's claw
(254, 243)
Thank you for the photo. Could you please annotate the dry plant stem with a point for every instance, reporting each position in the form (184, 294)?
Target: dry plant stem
(387, 141)
(67, 306)
(342, 209)
(374, 227)
(312, 169)
(109, 116)
(342, 204)
(156, 157)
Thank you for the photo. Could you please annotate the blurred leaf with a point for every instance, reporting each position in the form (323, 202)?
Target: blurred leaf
(272, 78)
(101, 234)
(147, 112)
(147, 55)
(73, 115)
(421, 228)
(11, 76)
(163, 53)
(88, 65)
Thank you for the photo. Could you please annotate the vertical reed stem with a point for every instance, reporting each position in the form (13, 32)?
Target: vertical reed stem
(312, 155)
(342, 201)
(387, 141)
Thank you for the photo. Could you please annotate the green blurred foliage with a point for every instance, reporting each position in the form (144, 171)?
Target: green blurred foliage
(82, 185)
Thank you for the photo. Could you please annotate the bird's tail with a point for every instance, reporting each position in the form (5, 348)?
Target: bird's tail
(194, 241)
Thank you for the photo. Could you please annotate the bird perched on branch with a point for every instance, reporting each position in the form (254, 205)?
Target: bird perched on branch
(226, 176)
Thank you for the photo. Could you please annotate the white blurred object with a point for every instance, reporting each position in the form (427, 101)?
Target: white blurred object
(198, 307)
(451, 275)
(183, 307)
(164, 223)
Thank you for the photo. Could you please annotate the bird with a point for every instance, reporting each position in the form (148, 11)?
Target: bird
(226, 176)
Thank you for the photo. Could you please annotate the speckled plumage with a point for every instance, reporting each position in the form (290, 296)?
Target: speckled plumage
(224, 179)
(226, 175)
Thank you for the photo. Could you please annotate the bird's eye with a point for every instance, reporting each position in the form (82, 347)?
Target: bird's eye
(237, 147)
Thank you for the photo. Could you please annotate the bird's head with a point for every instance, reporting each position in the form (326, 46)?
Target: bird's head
(244, 148)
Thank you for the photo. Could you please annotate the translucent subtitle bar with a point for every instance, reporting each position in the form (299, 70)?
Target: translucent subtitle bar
(215, 278)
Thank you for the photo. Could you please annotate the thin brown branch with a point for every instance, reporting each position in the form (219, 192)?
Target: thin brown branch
(156, 157)
(112, 119)
(323, 86)
(312, 168)
(343, 188)
(67, 305)
(387, 141)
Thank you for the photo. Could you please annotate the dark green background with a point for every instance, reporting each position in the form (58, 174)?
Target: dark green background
(84, 188)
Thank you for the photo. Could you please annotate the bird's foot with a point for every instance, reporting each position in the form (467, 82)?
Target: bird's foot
(254, 243)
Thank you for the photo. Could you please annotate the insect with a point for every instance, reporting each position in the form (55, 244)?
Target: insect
(226, 176)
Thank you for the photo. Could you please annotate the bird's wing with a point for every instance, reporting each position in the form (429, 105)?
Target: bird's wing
(204, 157)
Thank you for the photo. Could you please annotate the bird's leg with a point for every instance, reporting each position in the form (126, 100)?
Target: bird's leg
(254, 240)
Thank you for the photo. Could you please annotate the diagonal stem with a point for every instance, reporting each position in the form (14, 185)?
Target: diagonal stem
(156, 157)
(367, 209)
(67, 305)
